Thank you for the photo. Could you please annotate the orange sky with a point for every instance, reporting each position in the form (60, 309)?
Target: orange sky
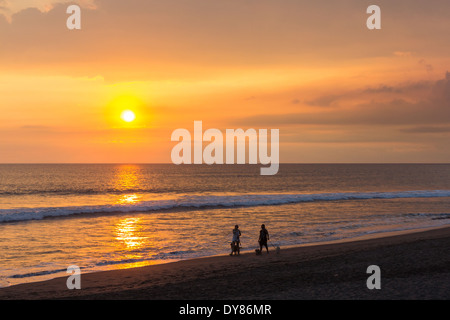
(337, 91)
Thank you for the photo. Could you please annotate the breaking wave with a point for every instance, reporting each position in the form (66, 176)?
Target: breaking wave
(208, 201)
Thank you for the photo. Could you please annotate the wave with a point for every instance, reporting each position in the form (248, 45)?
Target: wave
(432, 216)
(208, 201)
(79, 192)
(37, 274)
(170, 256)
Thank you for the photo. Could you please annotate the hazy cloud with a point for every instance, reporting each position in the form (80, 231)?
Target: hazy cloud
(383, 89)
(433, 108)
(429, 129)
(36, 127)
(324, 101)
(426, 65)
(10, 7)
(403, 53)
(141, 36)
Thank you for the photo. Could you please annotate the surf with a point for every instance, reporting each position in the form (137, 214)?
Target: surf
(187, 201)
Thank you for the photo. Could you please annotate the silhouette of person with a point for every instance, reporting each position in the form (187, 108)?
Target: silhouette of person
(236, 239)
(263, 238)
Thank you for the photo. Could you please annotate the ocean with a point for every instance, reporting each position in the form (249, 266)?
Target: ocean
(113, 216)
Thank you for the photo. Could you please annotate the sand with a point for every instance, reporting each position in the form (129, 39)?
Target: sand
(415, 265)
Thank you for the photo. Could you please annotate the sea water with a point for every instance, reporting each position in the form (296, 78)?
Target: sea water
(112, 216)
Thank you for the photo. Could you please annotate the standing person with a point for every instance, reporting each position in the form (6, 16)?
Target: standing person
(235, 242)
(263, 238)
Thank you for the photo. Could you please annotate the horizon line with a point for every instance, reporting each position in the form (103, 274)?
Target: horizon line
(218, 164)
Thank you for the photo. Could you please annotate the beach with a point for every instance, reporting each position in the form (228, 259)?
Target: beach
(413, 265)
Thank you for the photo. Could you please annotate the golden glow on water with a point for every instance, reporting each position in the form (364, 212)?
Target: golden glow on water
(128, 199)
(136, 243)
(127, 178)
(129, 233)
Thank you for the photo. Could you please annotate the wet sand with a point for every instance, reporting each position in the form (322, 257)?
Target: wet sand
(414, 265)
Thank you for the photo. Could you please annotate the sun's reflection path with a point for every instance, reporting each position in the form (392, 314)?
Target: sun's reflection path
(129, 233)
(127, 179)
(134, 243)
(128, 199)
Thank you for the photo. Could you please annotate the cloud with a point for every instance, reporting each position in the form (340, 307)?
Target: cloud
(399, 91)
(137, 38)
(36, 127)
(426, 65)
(383, 89)
(324, 101)
(11, 7)
(431, 108)
(403, 53)
(427, 129)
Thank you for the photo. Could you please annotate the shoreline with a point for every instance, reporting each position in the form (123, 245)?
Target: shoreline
(413, 265)
(377, 234)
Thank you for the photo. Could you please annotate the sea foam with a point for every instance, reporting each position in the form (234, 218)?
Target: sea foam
(208, 201)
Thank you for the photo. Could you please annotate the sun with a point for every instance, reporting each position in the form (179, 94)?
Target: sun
(127, 111)
(128, 116)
